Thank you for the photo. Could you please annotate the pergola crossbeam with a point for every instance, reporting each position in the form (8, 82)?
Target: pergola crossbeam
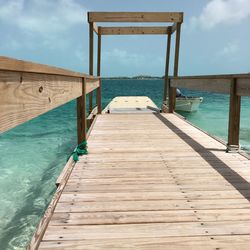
(135, 17)
(134, 30)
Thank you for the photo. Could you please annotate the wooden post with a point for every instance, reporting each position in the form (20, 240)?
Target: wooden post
(99, 90)
(166, 87)
(91, 60)
(99, 98)
(81, 114)
(234, 118)
(172, 91)
(99, 54)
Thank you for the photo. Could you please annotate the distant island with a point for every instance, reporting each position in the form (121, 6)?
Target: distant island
(140, 77)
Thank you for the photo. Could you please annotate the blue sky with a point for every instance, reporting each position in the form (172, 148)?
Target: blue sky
(215, 36)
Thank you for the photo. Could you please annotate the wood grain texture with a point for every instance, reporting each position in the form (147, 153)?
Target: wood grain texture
(211, 85)
(11, 64)
(92, 84)
(135, 16)
(133, 30)
(24, 96)
(152, 176)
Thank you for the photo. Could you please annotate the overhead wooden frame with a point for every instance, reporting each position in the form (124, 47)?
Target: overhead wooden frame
(155, 17)
(135, 30)
(144, 17)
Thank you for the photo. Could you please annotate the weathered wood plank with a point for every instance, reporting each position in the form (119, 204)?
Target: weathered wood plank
(135, 16)
(134, 30)
(147, 230)
(243, 86)
(11, 64)
(161, 243)
(24, 96)
(91, 85)
(209, 85)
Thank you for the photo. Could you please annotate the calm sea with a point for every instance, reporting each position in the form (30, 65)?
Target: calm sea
(33, 154)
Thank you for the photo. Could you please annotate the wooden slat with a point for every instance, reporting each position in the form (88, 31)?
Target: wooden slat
(134, 30)
(127, 231)
(24, 96)
(210, 85)
(161, 243)
(135, 16)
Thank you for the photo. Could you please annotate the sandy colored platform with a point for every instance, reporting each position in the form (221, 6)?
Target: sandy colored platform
(131, 104)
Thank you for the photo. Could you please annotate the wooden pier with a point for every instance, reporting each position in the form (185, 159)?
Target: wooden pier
(152, 181)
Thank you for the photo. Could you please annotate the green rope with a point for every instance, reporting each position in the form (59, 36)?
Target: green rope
(81, 149)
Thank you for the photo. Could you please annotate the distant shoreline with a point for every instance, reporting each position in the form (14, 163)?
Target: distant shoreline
(133, 77)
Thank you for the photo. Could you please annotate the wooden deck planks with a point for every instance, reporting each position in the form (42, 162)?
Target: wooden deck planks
(153, 181)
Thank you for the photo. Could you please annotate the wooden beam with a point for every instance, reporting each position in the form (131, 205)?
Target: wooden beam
(92, 84)
(166, 78)
(172, 90)
(243, 86)
(227, 76)
(91, 60)
(210, 85)
(234, 118)
(81, 114)
(95, 28)
(24, 96)
(10, 64)
(134, 30)
(135, 16)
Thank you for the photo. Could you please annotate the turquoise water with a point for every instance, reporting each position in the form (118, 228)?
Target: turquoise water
(33, 154)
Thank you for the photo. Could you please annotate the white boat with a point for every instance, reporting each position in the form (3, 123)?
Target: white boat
(188, 104)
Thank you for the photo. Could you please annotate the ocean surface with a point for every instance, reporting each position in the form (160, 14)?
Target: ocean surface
(33, 154)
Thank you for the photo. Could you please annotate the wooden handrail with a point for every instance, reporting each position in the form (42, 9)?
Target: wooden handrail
(214, 83)
(28, 90)
(11, 64)
(236, 85)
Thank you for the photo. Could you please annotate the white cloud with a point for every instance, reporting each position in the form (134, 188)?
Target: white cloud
(44, 17)
(222, 12)
(230, 49)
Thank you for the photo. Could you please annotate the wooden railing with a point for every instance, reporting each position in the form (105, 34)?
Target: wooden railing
(28, 90)
(234, 85)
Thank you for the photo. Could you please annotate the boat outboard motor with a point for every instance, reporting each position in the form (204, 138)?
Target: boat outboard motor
(178, 93)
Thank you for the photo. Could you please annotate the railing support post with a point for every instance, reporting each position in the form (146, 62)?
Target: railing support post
(166, 78)
(234, 118)
(91, 60)
(172, 91)
(99, 90)
(99, 97)
(81, 114)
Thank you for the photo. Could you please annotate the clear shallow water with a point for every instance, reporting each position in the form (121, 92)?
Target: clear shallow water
(33, 154)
